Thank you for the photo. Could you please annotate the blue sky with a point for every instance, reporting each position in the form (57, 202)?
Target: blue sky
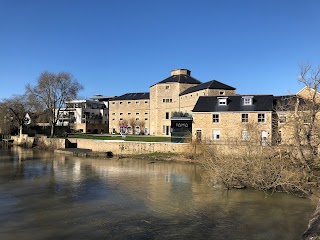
(117, 46)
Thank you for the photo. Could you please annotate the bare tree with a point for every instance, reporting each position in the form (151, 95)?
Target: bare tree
(14, 111)
(132, 123)
(52, 91)
(141, 125)
(299, 115)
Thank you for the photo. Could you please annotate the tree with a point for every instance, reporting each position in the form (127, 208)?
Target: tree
(141, 125)
(132, 123)
(301, 116)
(14, 111)
(52, 91)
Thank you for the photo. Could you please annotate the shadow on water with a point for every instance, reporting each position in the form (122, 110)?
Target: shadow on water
(46, 196)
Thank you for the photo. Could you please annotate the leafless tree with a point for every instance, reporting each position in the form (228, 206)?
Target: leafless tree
(301, 115)
(132, 123)
(141, 125)
(52, 91)
(14, 111)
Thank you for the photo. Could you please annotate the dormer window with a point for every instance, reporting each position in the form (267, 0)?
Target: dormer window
(222, 100)
(247, 100)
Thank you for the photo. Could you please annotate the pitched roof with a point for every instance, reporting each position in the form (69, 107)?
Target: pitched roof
(182, 78)
(132, 96)
(214, 84)
(234, 104)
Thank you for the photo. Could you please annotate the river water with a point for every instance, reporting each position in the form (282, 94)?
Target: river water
(46, 196)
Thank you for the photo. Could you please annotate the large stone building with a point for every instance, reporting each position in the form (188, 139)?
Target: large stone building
(177, 93)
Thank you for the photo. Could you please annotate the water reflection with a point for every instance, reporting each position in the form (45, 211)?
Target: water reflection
(46, 196)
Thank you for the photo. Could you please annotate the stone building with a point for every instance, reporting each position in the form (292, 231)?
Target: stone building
(234, 119)
(177, 93)
(131, 112)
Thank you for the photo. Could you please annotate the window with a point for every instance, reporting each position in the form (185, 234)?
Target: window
(167, 115)
(137, 113)
(261, 118)
(113, 103)
(113, 119)
(167, 87)
(129, 102)
(146, 119)
(282, 119)
(146, 113)
(145, 101)
(247, 100)
(167, 100)
(244, 135)
(222, 101)
(137, 119)
(222, 93)
(137, 102)
(216, 134)
(244, 117)
(129, 113)
(120, 102)
(113, 113)
(121, 113)
(198, 135)
(121, 119)
(215, 118)
(166, 130)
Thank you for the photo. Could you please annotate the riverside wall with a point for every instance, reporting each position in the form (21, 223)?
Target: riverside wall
(116, 147)
(125, 147)
(121, 147)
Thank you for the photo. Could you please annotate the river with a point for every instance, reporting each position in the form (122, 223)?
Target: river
(47, 196)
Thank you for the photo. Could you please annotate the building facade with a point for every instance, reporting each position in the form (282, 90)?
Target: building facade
(177, 93)
(85, 116)
(234, 119)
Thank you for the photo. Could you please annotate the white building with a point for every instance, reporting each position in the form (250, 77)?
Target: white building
(86, 116)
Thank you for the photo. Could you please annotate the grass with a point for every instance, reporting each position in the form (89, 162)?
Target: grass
(138, 138)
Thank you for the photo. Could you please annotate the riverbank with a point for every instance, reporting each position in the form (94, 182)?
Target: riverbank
(313, 230)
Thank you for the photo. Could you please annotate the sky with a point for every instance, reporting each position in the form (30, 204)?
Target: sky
(113, 47)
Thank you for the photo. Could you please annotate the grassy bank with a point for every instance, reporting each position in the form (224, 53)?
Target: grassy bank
(139, 138)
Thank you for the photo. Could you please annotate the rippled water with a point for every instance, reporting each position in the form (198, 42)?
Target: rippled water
(46, 196)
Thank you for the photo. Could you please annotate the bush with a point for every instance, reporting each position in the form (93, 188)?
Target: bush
(265, 168)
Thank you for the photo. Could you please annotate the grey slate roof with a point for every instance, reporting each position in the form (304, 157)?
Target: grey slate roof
(234, 104)
(132, 96)
(182, 78)
(214, 84)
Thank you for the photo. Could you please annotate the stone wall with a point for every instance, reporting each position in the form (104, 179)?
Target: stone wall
(123, 147)
(117, 147)
(23, 140)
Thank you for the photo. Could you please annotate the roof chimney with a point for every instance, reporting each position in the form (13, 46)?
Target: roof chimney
(180, 71)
